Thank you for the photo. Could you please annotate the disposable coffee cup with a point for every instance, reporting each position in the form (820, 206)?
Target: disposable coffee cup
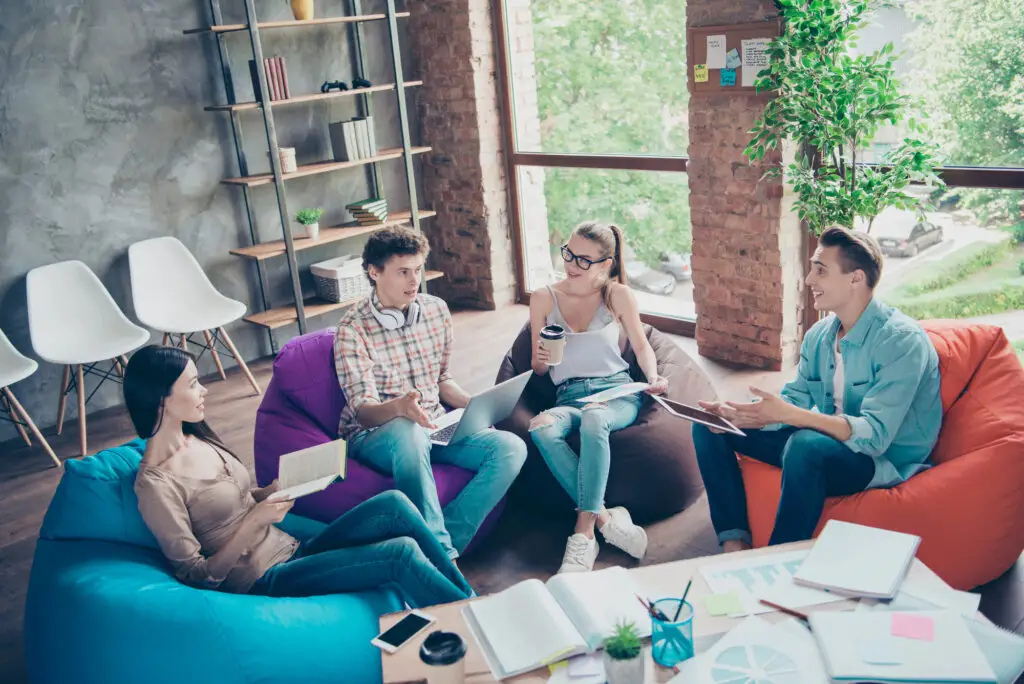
(552, 338)
(444, 654)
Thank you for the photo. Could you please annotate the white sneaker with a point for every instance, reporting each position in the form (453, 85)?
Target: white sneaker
(580, 554)
(620, 532)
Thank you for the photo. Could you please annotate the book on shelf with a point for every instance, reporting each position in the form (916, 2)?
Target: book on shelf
(284, 77)
(533, 624)
(354, 139)
(369, 212)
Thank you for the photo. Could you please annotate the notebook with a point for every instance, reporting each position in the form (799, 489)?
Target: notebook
(310, 470)
(533, 624)
(946, 652)
(856, 560)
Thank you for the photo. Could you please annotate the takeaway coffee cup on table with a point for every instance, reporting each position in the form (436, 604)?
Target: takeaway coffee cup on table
(444, 654)
(552, 338)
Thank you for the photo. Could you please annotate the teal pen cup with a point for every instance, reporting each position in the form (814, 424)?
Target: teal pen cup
(672, 642)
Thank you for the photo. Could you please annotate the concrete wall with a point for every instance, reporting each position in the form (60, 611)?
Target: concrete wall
(104, 142)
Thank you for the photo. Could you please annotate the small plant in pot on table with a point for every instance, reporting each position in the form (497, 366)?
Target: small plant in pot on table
(623, 656)
(310, 219)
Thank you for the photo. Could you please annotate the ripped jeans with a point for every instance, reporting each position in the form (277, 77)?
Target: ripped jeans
(584, 477)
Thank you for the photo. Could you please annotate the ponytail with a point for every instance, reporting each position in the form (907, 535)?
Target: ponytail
(618, 272)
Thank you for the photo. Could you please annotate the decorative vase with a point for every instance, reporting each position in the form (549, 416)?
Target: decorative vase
(312, 230)
(624, 671)
(302, 10)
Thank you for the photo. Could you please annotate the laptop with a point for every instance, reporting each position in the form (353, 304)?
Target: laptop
(484, 410)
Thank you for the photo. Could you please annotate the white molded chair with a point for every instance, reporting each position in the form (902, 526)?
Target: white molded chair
(14, 367)
(75, 323)
(173, 295)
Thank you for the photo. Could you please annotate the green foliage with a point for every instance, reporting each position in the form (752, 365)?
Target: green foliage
(966, 305)
(961, 265)
(1017, 230)
(1019, 346)
(611, 78)
(624, 643)
(309, 216)
(1020, 267)
(831, 103)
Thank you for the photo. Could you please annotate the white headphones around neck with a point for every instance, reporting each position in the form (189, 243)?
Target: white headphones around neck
(392, 318)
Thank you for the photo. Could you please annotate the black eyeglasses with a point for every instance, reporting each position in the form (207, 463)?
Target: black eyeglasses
(581, 261)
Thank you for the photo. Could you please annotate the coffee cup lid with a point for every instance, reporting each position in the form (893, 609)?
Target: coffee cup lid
(552, 330)
(442, 648)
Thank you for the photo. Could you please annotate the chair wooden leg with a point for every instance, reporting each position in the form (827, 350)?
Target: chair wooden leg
(118, 367)
(213, 352)
(13, 402)
(6, 404)
(124, 362)
(183, 342)
(167, 338)
(238, 360)
(80, 379)
(62, 403)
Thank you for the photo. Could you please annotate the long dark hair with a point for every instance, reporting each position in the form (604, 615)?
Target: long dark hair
(148, 380)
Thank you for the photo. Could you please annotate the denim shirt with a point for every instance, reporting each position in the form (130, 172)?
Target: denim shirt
(890, 390)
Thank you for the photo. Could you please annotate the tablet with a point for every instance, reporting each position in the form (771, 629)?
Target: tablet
(698, 415)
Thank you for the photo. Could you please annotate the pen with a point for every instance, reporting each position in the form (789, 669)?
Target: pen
(683, 600)
(788, 611)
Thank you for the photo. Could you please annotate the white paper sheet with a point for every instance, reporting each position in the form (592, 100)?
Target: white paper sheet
(769, 577)
(754, 59)
(615, 393)
(716, 52)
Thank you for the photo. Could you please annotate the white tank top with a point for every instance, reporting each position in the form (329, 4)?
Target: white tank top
(593, 353)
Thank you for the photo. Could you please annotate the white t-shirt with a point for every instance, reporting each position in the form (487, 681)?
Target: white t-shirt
(838, 380)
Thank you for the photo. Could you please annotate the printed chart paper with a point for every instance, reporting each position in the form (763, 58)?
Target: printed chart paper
(769, 577)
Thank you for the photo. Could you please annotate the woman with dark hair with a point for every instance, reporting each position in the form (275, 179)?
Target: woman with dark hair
(219, 532)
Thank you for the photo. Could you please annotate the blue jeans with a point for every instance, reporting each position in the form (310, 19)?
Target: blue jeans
(402, 449)
(814, 466)
(382, 542)
(585, 477)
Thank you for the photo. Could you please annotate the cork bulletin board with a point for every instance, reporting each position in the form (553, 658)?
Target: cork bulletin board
(725, 59)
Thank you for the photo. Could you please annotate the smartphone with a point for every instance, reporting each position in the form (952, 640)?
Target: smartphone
(398, 634)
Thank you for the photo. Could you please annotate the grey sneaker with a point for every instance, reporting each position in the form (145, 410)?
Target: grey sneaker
(620, 532)
(580, 554)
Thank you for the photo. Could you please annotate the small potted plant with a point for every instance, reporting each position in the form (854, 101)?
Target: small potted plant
(623, 663)
(310, 220)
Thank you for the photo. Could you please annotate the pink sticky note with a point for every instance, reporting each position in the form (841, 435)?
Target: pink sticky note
(913, 626)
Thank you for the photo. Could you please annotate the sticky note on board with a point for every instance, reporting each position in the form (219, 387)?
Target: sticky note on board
(732, 59)
(700, 73)
(913, 626)
(728, 77)
(723, 604)
(716, 52)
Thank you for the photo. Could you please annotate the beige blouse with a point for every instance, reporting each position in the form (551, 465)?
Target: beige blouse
(194, 518)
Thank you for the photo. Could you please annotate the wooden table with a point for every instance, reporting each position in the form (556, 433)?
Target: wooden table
(666, 579)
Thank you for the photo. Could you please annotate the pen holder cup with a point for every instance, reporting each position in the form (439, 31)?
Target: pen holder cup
(672, 642)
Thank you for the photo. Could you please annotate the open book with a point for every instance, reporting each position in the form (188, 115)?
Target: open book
(532, 624)
(310, 470)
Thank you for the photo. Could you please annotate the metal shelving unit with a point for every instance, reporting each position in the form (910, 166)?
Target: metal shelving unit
(300, 309)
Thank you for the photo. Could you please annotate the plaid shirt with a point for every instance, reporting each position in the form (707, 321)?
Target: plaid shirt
(376, 364)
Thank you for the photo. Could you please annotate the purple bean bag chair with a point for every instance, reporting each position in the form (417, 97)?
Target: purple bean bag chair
(301, 408)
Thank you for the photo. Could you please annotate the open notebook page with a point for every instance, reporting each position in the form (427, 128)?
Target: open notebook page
(597, 601)
(314, 463)
(524, 628)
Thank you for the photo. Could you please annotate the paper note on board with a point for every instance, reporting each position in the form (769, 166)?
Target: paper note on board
(732, 59)
(716, 52)
(728, 77)
(700, 73)
(755, 58)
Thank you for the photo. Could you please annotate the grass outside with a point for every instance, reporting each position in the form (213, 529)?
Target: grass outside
(1019, 346)
(953, 268)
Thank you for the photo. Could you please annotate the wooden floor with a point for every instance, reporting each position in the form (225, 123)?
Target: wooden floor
(522, 546)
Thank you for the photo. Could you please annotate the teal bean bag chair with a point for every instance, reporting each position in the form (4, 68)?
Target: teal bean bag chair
(103, 605)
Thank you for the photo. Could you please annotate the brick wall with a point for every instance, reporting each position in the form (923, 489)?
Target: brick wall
(452, 46)
(747, 261)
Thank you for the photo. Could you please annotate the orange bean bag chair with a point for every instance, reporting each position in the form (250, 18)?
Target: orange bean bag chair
(968, 508)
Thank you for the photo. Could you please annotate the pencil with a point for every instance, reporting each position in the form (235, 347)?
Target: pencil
(683, 600)
(787, 611)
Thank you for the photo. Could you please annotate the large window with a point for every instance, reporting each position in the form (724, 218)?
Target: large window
(963, 62)
(597, 96)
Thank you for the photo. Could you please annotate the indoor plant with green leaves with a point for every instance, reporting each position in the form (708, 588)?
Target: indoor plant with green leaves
(310, 220)
(829, 103)
(623, 655)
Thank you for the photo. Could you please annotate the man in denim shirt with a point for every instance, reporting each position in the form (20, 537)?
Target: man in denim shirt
(863, 412)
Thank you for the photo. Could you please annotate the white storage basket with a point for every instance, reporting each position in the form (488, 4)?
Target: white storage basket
(340, 279)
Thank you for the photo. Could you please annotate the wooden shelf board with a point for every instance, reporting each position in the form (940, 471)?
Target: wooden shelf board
(286, 315)
(323, 167)
(315, 97)
(268, 250)
(230, 28)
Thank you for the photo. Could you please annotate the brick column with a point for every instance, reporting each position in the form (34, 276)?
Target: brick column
(452, 46)
(747, 258)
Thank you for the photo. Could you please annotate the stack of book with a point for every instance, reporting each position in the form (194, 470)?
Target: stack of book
(277, 79)
(354, 139)
(369, 212)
